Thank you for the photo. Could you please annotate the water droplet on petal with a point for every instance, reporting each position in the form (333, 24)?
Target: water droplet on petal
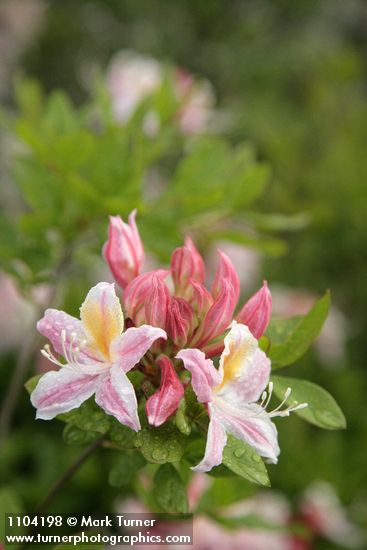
(238, 453)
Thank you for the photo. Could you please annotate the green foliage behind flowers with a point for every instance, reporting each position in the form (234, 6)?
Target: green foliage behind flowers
(73, 166)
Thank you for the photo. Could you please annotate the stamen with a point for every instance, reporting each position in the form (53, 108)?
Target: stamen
(71, 344)
(263, 397)
(46, 352)
(266, 397)
(271, 387)
(286, 395)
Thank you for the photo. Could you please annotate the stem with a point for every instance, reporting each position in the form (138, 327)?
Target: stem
(67, 475)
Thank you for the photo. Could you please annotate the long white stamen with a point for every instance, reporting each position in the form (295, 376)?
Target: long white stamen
(263, 398)
(266, 397)
(71, 352)
(271, 387)
(71, 344)
(47, 353)
(286, 395)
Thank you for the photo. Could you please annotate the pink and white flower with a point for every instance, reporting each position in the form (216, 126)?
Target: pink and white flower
(98, 355)
(232, 395)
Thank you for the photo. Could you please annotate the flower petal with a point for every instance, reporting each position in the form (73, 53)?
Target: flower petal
(215, 443)
(225, 272)
(186, 264)
(129, 348)
(61, 391)
(219, 316)
(67, 335)
(204, 376)
(116, 396)
(245, 368)
(166, 399)
(102, 317)
(252, 424)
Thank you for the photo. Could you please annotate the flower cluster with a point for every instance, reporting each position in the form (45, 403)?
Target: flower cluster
(172, 323)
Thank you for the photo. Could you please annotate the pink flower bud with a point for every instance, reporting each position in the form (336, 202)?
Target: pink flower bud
(124, 250)
(136, 294)
(156, 304)
(167, 398)
(225, 272)
(186, 264)
(201, 299)
(218, 317)
(179, 321)
(256, 312)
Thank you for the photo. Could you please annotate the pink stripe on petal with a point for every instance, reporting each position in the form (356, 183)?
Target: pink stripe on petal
(252, 424)
(61, 391)
(116, 396)
(127, 349)
(204, 376)
(54, 322)
(215, 443)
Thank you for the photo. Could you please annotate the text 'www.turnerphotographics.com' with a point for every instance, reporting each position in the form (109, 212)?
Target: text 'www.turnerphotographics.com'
(110, 529)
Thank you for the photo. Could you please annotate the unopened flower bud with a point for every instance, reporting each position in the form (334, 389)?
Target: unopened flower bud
(166, 399)
(186, 264)
(256, 312)
(124, 250)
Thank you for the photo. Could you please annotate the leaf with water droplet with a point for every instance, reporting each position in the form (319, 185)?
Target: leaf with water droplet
(122, 436)
(239, 457)
(161, 445)
(322, 409)
(73, 435)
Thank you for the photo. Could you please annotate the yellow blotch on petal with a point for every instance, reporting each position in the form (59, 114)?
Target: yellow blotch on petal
(102, 316)
(239, 347)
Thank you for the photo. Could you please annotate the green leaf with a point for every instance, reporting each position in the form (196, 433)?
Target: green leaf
(88, 417)
(181, 419)
(31, 384)
(124, 470)
(160, 445)
(75, 436)
(322, 410)
(269, 245)
(169, 491)
(243, 460)
(290, 338)
(122, 436)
